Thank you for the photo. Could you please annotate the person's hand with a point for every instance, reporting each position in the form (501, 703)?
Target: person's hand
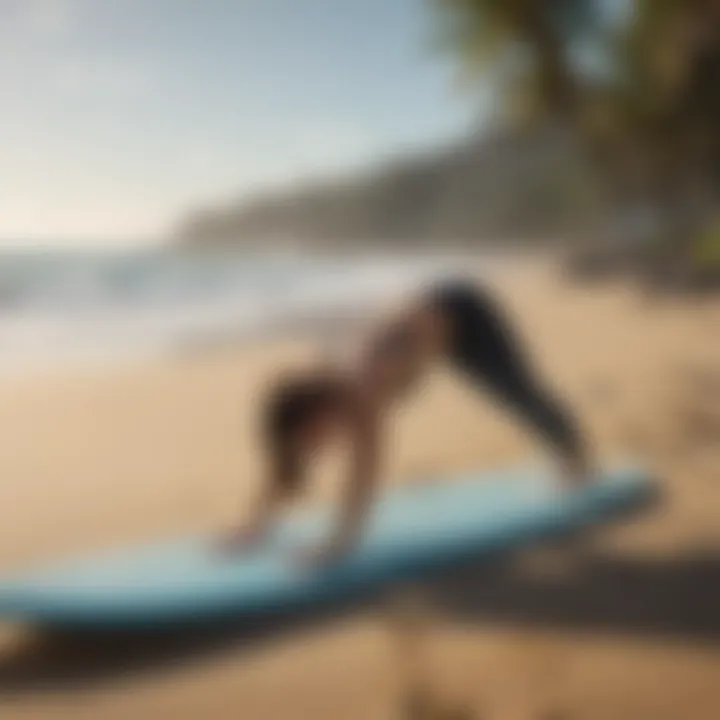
(315, 557)
(241, 539)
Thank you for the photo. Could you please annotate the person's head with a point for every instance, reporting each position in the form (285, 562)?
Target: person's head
(299, 415)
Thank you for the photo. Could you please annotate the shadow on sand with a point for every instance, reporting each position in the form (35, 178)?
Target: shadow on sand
(666, 600)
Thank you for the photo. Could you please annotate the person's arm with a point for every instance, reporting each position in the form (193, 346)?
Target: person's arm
(362, 482)
(273, 493)
(359, 493)
(253, 531)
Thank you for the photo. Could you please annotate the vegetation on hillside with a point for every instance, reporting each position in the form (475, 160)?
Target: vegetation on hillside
(521, 184)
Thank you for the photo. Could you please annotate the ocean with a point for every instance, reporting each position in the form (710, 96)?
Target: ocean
(68, 307)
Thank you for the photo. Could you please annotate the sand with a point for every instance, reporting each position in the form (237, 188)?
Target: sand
(625, 627)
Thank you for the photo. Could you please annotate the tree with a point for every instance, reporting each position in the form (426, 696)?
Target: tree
(637, 81)
(525, 44)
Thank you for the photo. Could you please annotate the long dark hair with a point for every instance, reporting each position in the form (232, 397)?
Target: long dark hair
(290, 405)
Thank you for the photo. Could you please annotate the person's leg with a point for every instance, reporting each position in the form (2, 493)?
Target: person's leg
(545, 413)
(491, 355)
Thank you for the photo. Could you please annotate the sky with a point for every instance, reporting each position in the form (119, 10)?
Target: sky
(119, 116)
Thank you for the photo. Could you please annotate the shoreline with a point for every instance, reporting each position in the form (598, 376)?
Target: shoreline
(311, 323)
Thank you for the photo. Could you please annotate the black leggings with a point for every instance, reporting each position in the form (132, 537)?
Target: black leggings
(482, 348)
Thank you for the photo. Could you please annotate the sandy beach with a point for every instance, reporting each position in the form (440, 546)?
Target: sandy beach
(627, 628)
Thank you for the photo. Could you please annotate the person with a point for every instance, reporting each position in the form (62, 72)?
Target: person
(456, 321)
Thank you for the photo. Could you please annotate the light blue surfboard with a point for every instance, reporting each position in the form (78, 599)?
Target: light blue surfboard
(412, 531)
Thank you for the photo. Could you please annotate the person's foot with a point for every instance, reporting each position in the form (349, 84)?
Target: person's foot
(577, 473)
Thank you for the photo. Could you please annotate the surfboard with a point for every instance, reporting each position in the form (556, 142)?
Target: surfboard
(412, 531)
